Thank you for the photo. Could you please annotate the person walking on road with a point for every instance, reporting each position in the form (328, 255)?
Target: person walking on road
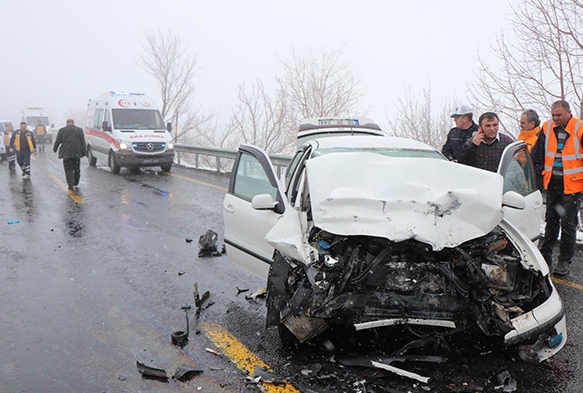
(484, 150)
(558, 156)
(23, 143)
(41, 134)
(71, 140)
(529, 128)
(464, 129)
(10, 156)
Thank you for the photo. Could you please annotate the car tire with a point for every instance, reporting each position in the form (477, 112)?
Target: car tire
(166, 168)
(92, 159)
(115, 168)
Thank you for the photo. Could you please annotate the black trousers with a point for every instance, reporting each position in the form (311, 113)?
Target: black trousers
(562, 213)
(72, 170)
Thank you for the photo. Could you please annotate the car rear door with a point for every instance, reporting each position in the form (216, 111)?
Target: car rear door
(517, 168)
(253, 174)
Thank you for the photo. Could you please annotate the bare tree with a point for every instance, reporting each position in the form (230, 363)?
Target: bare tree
(544, 65)
(310, 86)
(417, 119)
(174, 70)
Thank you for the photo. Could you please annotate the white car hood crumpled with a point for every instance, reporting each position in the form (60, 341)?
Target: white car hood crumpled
(437, 202)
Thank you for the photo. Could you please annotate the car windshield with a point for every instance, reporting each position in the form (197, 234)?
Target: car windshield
(415, 153)
(33, 120)
(137, 119)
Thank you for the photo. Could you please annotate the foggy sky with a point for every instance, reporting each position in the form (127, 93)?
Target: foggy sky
(57, 54)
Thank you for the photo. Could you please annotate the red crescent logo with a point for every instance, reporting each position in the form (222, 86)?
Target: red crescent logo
(124, 103)
(145, 103)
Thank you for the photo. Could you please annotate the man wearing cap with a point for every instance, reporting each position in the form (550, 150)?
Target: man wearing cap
(485, 149)
(558, 156)
(464, 129)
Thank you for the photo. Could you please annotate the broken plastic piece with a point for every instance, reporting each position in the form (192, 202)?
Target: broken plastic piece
(13, 221)
(152, 372)
(267, 376)
(506, 382)
(240, 290)
(213, 351)
(185, 373)
(400, 372)
(259, 292)
(188, 240)
(207, 244)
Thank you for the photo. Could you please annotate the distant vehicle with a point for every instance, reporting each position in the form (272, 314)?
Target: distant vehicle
(32, 116)
(3, 147)
(127, 130)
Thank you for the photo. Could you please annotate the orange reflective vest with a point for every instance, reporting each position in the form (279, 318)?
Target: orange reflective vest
(40, 130)
(572, 155)
(7, 139)
(28, 137)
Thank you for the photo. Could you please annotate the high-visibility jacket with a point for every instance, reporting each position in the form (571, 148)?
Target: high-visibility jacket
(572, 155)
(28, 136)
(7, 139)
(529, 137)
(40, 130)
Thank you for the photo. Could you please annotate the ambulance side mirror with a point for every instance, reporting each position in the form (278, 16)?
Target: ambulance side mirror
(105, 126)
(169, 127)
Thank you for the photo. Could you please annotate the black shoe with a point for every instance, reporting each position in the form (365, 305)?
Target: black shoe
(562, 268)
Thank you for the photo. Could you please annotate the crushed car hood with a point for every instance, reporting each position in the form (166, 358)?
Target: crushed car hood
(437, 202)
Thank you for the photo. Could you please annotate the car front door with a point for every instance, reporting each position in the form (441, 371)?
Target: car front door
(245, 227)
(517, 168)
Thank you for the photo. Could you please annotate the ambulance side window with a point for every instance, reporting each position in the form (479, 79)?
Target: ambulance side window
(98, 118)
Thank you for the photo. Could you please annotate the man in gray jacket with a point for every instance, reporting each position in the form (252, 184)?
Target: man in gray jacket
(72, 141)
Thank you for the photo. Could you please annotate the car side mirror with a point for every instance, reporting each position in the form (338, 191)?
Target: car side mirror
(105, 126)
(52, 125)
(514, 200)
(263, 202)
(169, 126)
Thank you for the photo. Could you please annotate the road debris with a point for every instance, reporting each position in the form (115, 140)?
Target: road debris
(267, 376)
(505, 382)
(241, 290)
(213, 351)
(258, 293)
(186, 373)
(152, 372)
(180, 337)
(188, 240)
(207, 244)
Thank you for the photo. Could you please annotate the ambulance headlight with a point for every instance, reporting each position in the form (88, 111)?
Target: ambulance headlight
(170, 145)
(124, 146)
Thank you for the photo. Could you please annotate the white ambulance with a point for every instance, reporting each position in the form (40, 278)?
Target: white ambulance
(127, 130)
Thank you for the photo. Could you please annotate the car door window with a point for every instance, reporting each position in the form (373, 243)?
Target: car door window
(520, 175)
(251, 179)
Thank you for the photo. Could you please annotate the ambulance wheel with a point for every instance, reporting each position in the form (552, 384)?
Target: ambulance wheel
(166, 168)
(115, 168)
(92, 159)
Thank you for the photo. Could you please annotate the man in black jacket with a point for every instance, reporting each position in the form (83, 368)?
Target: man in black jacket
(72, 141)
(464, 129)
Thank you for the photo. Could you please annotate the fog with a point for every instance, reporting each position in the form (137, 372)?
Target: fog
(58, 54)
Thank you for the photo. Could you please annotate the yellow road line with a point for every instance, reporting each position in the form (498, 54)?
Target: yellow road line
(567, 283)
(239, 354)
(197, 181)
(71, 193)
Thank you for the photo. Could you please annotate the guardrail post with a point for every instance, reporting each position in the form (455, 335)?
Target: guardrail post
(218, 164)
(196, 160)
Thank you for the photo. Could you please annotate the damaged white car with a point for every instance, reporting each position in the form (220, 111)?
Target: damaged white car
(372, 231)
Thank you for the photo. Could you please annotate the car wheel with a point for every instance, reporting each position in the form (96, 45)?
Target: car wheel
(166, 168)
(92, 159)
(115, 168)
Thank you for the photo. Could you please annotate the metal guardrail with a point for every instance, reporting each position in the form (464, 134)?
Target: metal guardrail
(279, 161)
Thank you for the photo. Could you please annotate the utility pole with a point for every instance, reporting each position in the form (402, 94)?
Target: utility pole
(176, 126)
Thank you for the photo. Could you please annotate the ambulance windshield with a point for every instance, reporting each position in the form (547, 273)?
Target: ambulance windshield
(137, 119)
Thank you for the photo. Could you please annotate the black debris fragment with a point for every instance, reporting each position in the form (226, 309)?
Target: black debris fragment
(152, 372)
(186, 373)
(207, 245)
(181, 273)
(241, 290)
(188, 240)
(267, 376)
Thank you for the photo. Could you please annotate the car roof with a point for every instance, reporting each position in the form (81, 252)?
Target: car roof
(388, 142)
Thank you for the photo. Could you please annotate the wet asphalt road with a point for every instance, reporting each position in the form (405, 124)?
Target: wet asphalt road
(92, 283)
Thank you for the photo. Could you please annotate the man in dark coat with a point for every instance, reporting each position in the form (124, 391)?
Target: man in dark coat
(464, 129)
(72, 141)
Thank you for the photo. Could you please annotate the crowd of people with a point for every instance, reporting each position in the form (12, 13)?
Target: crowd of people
(557, 154)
